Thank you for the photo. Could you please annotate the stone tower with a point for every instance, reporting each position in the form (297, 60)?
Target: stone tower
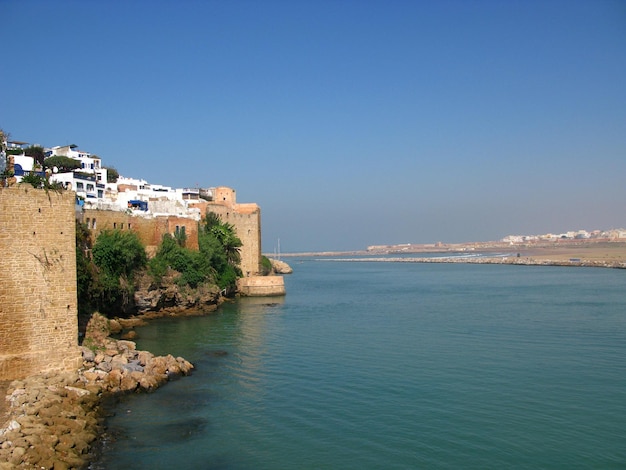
(246, 218)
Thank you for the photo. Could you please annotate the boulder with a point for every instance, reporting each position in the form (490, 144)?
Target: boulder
(280, 267)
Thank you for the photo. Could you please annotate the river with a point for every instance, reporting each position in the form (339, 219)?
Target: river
(395, 366)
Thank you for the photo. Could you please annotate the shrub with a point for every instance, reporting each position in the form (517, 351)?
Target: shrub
(119, 253)
(266, 266)
(193, 266)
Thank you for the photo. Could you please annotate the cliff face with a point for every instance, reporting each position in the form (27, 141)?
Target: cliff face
(168, 296)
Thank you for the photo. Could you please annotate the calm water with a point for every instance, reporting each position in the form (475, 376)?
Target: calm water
(394, 366)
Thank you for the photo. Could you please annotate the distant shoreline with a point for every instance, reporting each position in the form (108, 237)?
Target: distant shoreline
(514, 260)
(590, 253)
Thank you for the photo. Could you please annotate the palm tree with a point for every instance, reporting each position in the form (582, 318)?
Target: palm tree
(226, 235)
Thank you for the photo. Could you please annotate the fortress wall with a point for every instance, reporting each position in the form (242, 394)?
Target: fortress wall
(261, 286)
(38, 302)
(246, 218)
(149, 230)
(247, 224)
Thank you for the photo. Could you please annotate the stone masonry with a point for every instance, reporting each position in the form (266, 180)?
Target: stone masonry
(246, 218)
(38, 302)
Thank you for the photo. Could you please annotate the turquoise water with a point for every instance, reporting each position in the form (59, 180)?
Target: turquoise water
(395, 366)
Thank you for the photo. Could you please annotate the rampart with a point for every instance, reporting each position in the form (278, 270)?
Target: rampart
(246, 218)
(150, 230)
(38, 302)
(261, 286)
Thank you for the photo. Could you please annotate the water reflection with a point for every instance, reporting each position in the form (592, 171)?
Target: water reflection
(228, 349)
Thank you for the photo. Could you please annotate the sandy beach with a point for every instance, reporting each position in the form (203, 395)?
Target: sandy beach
(601, 251)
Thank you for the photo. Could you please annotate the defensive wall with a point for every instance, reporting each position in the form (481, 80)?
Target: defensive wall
(150, 230)
(261, 286)
(246, 218)
(38, 300)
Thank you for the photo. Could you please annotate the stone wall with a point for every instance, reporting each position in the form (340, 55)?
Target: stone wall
(261, 286)
(246, 218)
(150, 230)
(38, 302)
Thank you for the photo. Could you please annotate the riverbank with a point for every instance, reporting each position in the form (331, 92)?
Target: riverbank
(579, 253)
(52, 420)
(592, 251)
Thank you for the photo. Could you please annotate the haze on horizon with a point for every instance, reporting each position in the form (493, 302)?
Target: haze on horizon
(351, 123)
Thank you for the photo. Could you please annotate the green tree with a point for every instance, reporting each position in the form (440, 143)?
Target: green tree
(112, 174)
(117, 256)
(37, 152)
(86, 271)
(119, 253)
(226, 235)
(194, 268)
(64, 164)
(219, 243)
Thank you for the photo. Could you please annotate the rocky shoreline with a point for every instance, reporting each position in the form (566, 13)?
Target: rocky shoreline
(53, 419)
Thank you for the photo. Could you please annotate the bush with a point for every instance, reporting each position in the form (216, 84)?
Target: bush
(193, 266)
(41, 182)
(266, 266)
(119, 253)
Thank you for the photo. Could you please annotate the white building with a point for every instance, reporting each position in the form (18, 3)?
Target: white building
(89, 163)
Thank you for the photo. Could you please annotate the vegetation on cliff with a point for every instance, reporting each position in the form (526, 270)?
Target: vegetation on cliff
(110, 272)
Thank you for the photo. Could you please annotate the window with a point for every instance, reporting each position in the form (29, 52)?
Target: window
(114, 225)
(93, 224)
(80, 186)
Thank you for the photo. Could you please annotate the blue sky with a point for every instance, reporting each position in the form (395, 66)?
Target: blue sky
(351, 123)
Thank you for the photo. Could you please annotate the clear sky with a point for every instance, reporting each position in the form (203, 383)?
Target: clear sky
(350, 122)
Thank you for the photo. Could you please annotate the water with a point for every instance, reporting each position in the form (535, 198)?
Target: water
(395, 366)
